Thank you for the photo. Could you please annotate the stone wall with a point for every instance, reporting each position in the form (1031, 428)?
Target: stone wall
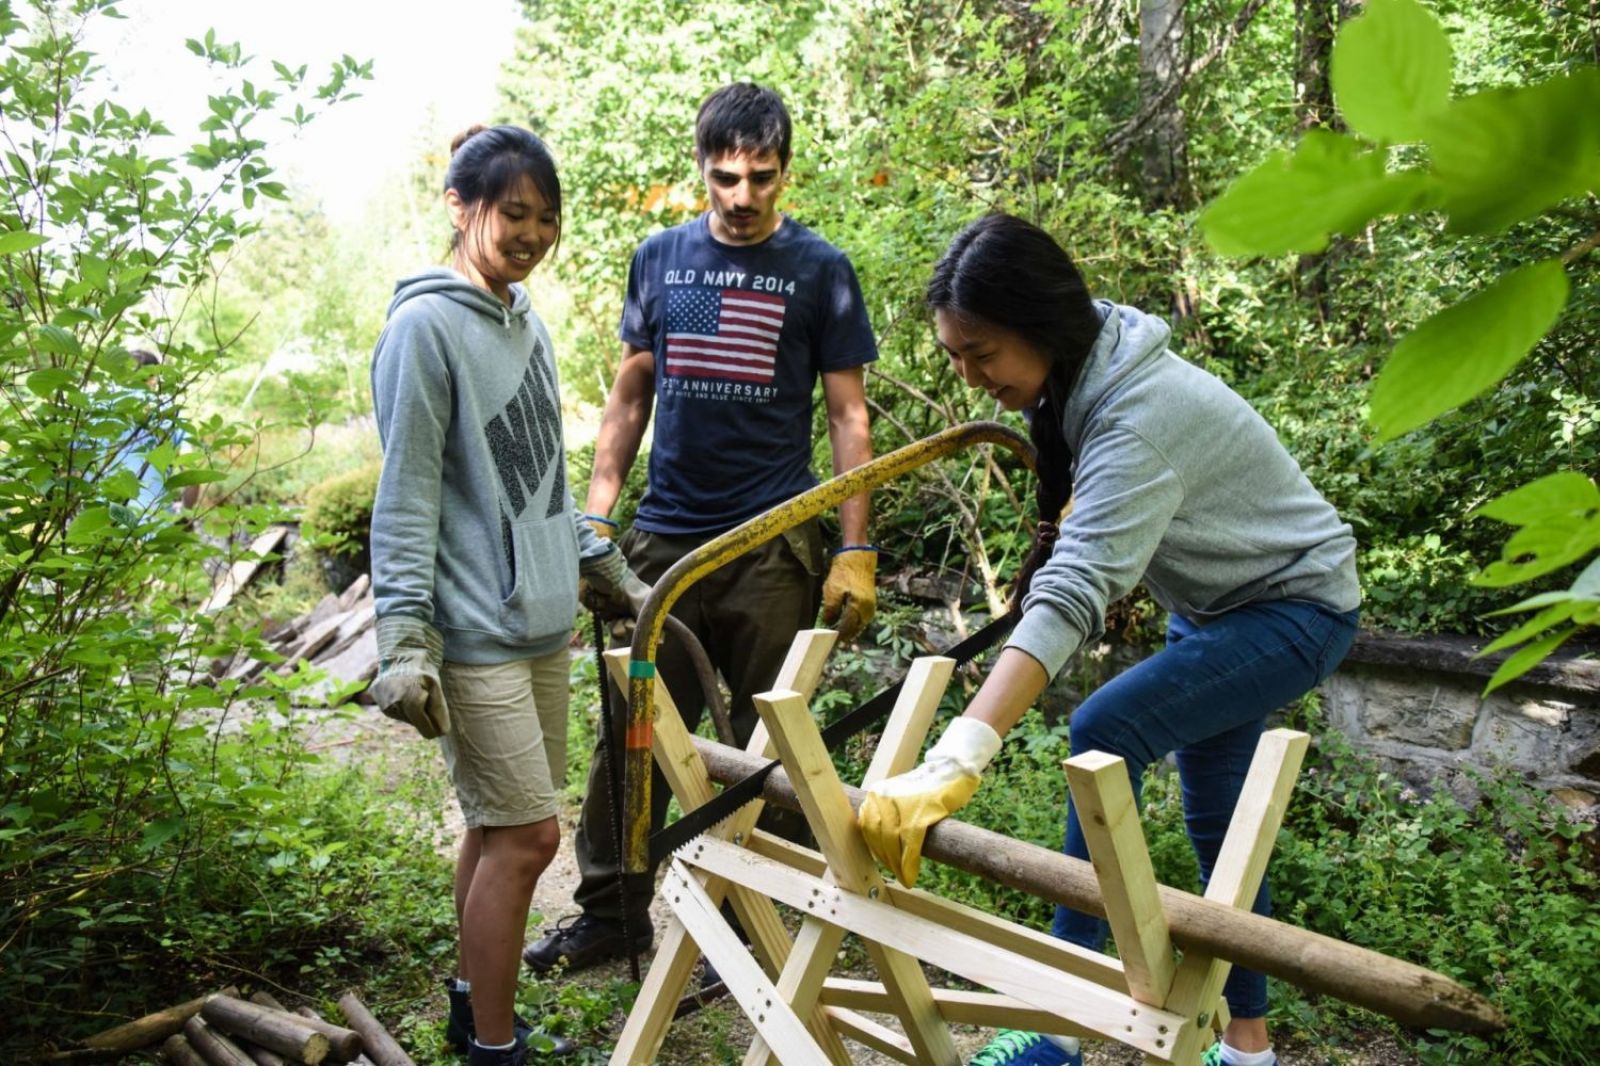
(1419, 704)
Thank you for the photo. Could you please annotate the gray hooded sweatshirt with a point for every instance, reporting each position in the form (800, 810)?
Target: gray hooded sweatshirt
(473, 529)
(1180, 482)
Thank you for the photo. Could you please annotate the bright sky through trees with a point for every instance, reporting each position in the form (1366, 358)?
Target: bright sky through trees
(434, 72)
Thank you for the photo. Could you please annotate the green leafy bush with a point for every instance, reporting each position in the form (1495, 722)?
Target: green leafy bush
(125, 781)
(1487, 161)
(338, 523)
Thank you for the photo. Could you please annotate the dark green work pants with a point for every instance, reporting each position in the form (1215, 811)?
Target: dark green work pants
(746, 615)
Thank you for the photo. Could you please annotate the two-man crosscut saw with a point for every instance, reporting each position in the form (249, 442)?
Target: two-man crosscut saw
(736, 795)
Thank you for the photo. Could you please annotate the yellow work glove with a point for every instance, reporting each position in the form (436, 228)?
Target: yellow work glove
(850, 594)
(603, 527)
(410, 653)
(896, 813)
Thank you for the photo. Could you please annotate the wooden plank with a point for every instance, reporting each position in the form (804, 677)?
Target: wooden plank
(685, 773)
(880, 1038)
(234, 579)
(908, 723)
(754, 992)
(1109, 1014)
(358, 589)
(832, 820)
(1236, 877)
(645, 1028)
(315, 640)
(801, 672)
(1061, 955)
(1103, 798)
(956, 1005)
(818, 942)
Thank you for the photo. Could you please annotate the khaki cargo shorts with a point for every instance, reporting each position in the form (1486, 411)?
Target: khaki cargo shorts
(507, 744)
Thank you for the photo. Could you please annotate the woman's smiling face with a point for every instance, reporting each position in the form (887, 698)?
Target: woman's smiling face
(502, 242)
(993, 358)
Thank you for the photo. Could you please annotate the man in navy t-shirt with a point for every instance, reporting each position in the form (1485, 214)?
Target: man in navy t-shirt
(729, 322)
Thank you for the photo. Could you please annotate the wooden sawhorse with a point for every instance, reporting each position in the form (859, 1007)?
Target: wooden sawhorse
(1149, 1000)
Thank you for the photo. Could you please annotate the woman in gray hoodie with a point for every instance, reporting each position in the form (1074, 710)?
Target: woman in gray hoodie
(476, 555)
(1174, 480)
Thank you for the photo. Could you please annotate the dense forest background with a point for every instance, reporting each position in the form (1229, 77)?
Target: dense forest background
(150, 825)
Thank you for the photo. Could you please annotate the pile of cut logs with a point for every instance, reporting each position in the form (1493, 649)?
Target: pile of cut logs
(224, 1030)
(338, 635)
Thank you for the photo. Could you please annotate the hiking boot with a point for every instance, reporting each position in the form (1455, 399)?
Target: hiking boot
(581, 941)
(1212, 1056)
(1011, 1047)
(459, 1030)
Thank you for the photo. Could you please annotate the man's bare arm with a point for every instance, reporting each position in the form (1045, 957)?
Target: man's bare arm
(622, 428)
(850, 433)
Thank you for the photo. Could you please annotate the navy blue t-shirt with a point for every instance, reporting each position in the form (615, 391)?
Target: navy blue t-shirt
(740, 334)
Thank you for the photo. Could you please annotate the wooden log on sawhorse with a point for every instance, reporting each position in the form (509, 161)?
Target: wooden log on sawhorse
(1404, 991)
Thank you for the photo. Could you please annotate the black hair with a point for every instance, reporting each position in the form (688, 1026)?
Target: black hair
(144, 357)
(487, 162)
(1010, 273)
(742, 117)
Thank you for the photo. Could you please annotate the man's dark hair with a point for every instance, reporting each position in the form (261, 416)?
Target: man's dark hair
(143, 357)
(742, 117)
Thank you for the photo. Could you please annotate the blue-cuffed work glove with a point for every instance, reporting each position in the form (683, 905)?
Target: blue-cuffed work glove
(410, 653)
(609, 588)
(897, 811)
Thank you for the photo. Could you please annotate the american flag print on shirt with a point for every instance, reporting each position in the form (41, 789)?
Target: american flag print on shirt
(723, 333)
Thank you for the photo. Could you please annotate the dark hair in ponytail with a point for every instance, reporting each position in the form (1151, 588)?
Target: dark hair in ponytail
(487, 161)
(1010, 273)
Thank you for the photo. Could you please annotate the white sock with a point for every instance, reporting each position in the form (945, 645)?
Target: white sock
(1234, 1057)
(495, 1047)
(1069, 1044)
(459, 985)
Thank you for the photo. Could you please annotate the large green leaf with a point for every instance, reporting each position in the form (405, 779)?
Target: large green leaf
(47, 380)
(1560, 519)
(1528, 658)
(21, 241)
(1507, 154)
(1391, 70)
(1464, 350)
(1292, 203)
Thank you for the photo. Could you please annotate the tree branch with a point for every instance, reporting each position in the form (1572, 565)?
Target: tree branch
(1125, 136)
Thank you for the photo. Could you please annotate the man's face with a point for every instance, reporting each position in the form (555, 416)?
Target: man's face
(743, 188)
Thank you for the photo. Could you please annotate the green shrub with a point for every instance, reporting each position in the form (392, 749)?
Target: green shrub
(338, 524)
(128, 781)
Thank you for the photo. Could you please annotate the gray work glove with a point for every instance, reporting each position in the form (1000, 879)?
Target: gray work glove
(612, 590)
(410, 653)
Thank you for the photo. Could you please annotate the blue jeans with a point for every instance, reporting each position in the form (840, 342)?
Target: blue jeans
(1206, 697)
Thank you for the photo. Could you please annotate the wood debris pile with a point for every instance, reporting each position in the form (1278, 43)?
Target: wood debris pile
(338, 635)
(223, 1030)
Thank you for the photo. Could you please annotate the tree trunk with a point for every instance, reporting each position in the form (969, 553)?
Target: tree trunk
(1161, 67)
(1315, 23)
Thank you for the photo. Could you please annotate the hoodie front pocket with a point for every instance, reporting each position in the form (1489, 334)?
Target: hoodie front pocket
(544, 582)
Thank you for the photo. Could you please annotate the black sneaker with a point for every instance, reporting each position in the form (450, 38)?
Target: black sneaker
(459, 1030)
(515, 1055)
(581, 941)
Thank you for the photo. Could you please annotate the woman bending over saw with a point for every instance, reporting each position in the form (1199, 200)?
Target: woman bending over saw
(1174, 481)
